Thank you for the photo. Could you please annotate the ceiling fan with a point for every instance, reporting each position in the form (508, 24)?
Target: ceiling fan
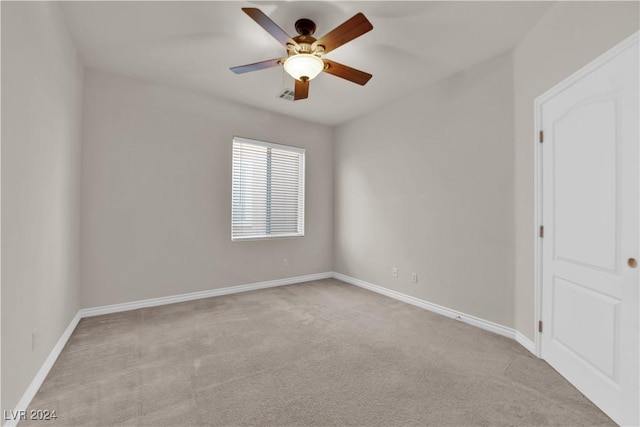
(303, 61)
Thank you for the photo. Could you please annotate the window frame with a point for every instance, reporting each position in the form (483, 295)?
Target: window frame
(302, 169)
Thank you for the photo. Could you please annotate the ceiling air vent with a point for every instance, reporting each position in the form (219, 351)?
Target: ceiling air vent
(286, 94)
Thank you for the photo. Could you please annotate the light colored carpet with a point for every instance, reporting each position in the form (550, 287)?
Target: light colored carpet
(317, 353)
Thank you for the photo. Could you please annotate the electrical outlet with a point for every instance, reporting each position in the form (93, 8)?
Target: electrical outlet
(414, 277)
(394, 272)
(33, 339)
(285, 262)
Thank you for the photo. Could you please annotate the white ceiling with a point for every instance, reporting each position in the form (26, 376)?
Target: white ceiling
(191, 45)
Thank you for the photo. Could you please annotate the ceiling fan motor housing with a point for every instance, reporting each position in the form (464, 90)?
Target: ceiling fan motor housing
(305, 40)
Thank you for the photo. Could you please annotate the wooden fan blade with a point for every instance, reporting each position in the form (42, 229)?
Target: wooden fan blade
(347, 31)
(269, 26)
(301, 90)
(257, 66)
(347, 73)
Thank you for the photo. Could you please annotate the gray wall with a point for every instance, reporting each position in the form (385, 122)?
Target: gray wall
(41, 109)
(156, 193)
(569, 36)
(426, 185)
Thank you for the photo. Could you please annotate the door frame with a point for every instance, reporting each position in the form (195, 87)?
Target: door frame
(537, 156)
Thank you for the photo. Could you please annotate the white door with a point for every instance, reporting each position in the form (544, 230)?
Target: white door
(590, 190)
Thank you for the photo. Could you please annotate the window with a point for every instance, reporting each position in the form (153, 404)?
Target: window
(267, 190)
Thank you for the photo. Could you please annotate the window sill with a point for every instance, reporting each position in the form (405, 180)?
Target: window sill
(258, 238)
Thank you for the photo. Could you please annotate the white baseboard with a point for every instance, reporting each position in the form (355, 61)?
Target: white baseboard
(454, 314)
(526, 342)
(33, 388)
(115, 308)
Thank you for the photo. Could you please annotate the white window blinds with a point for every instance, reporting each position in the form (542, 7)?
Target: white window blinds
(267, 190)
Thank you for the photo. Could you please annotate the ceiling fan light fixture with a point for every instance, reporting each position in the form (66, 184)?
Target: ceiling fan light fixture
(303, 66)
